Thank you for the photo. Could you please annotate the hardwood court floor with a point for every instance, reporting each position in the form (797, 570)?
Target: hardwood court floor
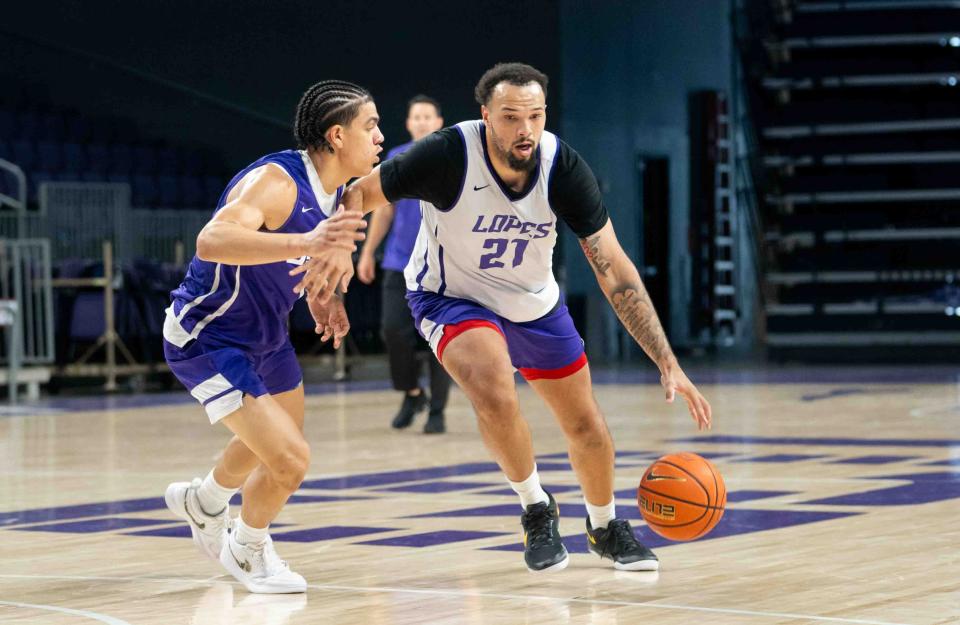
(844, 508)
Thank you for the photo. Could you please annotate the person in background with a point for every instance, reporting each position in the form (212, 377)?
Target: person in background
(402, 221)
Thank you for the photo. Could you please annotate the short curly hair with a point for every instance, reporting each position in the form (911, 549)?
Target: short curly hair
(323, 105)
(511, 73)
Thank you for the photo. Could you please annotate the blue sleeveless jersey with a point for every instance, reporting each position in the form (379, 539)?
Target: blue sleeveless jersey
(248, 306)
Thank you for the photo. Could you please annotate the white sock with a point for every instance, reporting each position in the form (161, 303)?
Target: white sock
(600, 516)
(247, 535)
(530, 490)
(213, 498)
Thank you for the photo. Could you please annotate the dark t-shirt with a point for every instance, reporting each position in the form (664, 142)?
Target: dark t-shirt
(434, 167)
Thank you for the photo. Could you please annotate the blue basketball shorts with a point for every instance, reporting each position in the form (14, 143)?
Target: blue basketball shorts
(546, 348)
(218, 376)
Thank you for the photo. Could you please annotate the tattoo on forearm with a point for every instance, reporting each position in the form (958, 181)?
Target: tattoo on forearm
(636, 312)
(591, 248)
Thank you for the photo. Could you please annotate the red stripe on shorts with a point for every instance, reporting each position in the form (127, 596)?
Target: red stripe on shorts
(454, 330)
(554, 374)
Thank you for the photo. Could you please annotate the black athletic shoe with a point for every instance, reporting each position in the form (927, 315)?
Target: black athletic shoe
(618, 543)
(542, 547)
(412, 404)
(435, 423)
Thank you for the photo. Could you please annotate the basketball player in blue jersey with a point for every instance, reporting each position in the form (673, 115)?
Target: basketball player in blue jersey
(482, 292)
(225, 334)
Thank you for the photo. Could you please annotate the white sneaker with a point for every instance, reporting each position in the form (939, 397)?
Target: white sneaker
(208, 531)
(259, 568)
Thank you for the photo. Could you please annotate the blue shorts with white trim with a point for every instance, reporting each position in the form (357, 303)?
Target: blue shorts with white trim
(218, 376)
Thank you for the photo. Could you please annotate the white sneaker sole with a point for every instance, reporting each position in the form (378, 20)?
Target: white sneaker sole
(176, 506)
(228, 562)
(555, 568)
(642, 565)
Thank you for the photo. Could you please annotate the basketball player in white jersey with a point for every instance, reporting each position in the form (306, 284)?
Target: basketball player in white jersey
(481, 288)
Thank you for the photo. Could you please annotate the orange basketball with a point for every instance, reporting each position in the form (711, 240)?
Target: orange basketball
(682, 496)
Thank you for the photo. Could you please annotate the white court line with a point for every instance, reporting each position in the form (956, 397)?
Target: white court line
(103, 618)
(490, 595)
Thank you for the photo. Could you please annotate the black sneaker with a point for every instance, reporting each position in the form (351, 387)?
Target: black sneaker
(412, 404)
(435, 423)
(542, 547)
(618, 543)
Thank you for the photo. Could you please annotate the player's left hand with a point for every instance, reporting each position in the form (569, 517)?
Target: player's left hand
(331, 319)
(323, 273)
(674, 381)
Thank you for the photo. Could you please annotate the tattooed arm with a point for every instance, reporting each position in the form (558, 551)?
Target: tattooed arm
(620, 282)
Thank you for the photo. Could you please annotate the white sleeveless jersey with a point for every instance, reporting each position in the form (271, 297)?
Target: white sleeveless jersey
(486, 247)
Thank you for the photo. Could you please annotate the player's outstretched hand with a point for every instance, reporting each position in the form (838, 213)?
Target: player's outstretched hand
(674, 381)
(331, 265)
(331, 319)
(341, 230)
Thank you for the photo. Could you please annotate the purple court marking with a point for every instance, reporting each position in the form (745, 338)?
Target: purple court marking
(553, 466)
(575, 510)
(93, 525)
(874, 459)
(181, 530)
(430, 539)
(437, 487)
(733, 523)
(827, 442)
(328, 533)
(782, 458)
(923, 488)
(952, 462)
(82, 510)
(560, 455)
(177, 531)
(752, 495)
(395, 477)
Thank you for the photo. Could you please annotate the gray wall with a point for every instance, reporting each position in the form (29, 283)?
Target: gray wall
(627, 69)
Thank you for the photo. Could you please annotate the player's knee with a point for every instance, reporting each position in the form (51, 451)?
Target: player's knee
(496, 404)
(291, 466)
(589, 430)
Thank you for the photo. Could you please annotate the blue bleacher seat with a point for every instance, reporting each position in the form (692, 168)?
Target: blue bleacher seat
(145, 159)
(191, 192)
(145, 191)
(121, 159)
(34, 180)
(95, 176)
(24, 154)
(169, 193)
(73, 157)
(79, 129)
(98, 158)
(168, 161)
(27, 125)
(52, 127)
(8, 124)
(49, 156)
(213, 188)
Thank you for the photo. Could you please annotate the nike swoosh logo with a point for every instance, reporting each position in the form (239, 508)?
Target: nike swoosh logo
(476, 188)
(656, 478)
(306, 209)
(243, 565)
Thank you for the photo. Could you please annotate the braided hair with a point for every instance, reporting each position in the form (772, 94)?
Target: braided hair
(325, 104)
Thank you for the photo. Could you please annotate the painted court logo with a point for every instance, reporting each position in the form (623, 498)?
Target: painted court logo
(924, 475)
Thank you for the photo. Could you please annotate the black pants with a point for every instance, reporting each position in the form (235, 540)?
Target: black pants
(403, 343)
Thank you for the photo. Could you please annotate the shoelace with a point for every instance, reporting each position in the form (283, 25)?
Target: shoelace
(272, 564)
(536, 520)
(620, 537)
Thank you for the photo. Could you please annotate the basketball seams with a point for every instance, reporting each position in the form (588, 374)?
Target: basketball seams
(713, 503)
